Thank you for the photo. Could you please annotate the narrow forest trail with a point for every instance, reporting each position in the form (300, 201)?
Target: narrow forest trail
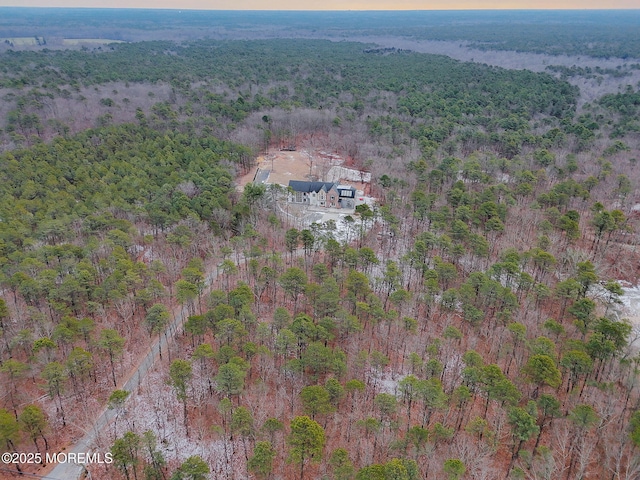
(86, 444)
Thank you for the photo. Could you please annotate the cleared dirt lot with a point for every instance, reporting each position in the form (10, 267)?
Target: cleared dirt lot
(283, 166)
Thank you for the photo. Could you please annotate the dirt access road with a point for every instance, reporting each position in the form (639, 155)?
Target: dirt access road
(74, 471)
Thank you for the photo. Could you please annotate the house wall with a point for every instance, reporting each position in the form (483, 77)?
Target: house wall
(328, 199)
(332, 202)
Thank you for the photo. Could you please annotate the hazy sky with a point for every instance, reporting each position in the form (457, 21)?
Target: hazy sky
(331, 4)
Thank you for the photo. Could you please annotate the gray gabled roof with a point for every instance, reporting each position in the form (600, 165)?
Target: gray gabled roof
(307, 187)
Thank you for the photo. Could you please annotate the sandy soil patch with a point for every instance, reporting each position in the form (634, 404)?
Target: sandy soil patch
(299, 165)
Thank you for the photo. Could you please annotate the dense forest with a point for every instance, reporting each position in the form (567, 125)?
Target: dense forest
(470, 327)
(594, 33)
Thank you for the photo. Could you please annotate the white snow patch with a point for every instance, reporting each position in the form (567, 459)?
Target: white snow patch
(453, 370)
(148, 256)
(631, 309)
(351, 174)
(154, 407)
(385, 383)
(631, 303)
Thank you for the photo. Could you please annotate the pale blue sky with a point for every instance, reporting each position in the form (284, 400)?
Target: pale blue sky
(332, 4)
